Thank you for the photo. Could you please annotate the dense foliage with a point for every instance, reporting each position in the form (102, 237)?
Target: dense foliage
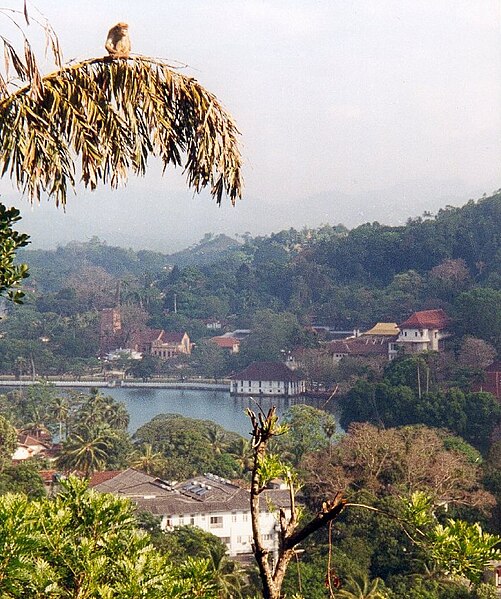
(275, 285)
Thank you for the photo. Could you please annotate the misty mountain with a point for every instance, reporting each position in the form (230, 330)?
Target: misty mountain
(169, 222)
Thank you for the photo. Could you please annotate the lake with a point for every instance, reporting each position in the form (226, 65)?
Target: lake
(219, 406)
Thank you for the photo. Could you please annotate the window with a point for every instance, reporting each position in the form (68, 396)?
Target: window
(233, 516)
(225, 540)
(181, 519)
(216, 522)
(168, 520)
(245, 516)
(192, 519)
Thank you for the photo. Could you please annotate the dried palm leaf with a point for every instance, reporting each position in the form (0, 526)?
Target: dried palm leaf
(112, 115)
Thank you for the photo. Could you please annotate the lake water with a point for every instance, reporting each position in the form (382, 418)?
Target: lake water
(219, 406)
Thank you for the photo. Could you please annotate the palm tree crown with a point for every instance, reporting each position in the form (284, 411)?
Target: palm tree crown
(111, 113)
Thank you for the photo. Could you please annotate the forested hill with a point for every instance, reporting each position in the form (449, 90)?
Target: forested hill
(50, 268)
(327, 275)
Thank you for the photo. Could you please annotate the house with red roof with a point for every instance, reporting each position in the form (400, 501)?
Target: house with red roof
(272, 379)
(423, 331)
(29, 447)
(228, 344)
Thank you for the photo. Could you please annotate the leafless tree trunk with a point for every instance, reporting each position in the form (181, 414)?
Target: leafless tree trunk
(272, 571)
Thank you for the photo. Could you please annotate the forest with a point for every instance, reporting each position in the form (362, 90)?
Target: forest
(277, 286)
(418, 464)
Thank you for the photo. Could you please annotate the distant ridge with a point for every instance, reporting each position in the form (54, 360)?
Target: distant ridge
(210, 249)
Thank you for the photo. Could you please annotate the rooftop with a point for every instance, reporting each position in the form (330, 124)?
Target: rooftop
(201, 494)
(266, 371)
(384, 329)
(426, 319)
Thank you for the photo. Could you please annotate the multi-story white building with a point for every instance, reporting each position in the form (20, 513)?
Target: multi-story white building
(209, 502)
(423, 331)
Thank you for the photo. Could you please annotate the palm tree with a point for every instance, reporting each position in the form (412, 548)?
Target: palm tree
(86, 451)
(241, 452)
(60, 409)
(227, 574)
(147, 460)
(111, 114)
(217, 438)
(362, 588)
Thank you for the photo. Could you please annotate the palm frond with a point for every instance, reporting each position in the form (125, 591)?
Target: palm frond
(111, 115)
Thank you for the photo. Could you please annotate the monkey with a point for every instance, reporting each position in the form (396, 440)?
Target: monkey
(118, 42)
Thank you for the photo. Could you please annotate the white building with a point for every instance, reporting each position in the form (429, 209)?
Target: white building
(423, 331)
(210, 502)
(267, 378)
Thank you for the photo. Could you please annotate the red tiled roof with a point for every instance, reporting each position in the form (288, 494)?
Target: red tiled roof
(172, 337)
(426, 319)
(101, 477)
(149, 335)
(358, 347)
(225, 342)
(266, 371)
(29, 441)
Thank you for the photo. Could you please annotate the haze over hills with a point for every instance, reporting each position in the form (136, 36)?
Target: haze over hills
(134, 216)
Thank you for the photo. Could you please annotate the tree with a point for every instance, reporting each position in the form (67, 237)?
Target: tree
(86, 544)
(309, 430)
(458, 549)
(112, 114)
(272, 569)
(399, 461)
(478, 313)
(476, 353)
(86, 451)
(362, 588)
(11, 274)
(148, 460)
(8, 441)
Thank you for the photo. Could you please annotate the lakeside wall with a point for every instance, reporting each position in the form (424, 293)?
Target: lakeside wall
(190, 385)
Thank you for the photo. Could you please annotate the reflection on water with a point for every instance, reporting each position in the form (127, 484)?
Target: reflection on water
(219, 406)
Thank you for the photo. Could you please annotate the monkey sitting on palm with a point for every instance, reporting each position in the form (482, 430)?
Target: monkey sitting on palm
(118, 42)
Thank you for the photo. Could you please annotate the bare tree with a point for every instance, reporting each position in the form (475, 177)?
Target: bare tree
(272, 568)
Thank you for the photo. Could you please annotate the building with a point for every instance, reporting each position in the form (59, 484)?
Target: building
(29, 447)
(110, 330)
(160, 343)
(492, 380)
(423, 331)
(387, 333)
(358, 348)
(210, 502)
(267, 378)
(228, 344)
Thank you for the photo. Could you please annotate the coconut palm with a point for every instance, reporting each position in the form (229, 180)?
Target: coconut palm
(241, 452)
(60, 409)
(217, 438)
(362, 587)
(86, 451)
(228, 575)
(147, 460)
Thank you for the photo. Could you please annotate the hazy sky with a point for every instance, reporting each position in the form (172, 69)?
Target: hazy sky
(332, 97)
